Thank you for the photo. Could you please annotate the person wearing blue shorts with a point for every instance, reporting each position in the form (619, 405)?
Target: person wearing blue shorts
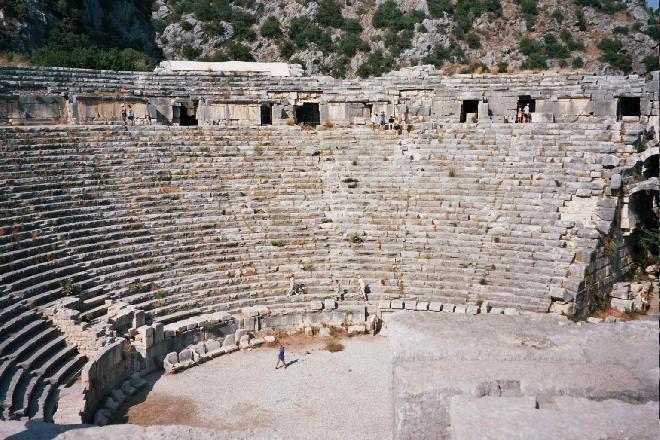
(280, 358)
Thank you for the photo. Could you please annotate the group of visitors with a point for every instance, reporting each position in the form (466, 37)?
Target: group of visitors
(523, 114)
(391, 123)
(340, 292)
(128, 116)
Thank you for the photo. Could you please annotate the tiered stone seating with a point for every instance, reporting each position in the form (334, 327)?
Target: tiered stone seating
(182, 221)
(34, 361)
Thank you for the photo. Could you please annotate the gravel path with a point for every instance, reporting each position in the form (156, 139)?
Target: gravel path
(325, 395)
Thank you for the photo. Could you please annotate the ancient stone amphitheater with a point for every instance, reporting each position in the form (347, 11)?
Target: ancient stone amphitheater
(121, 244)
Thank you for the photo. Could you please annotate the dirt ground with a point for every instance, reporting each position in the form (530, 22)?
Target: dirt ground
(339, 395)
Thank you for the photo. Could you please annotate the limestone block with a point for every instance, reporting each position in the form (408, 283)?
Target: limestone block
(229, 348)
(138, 318)
(357, 329)
(422, 305)
(435, 307)
(213, 348)
(309, 331)
(329, 304)
(472, 309)
(315, 305)
(244, 342)
(511, 311)
(610, 319)
(229, 340)
(485, 307)
(146, 333)
(324, 332)
(560, 293)
(460, 309)
(199, 353)
(239, 334)
(384, 305)
(249, 311)
(269, 339)
(594, 320)
(186, 358)
(256, 342)
(561, 308)
(159, 335)
(396, 304)
(542, 117)
(615, 182)
(496, 311)
(622, 305)
(410, 304)
(449, 308)
(261, 310)
(621, 291)
(250, 324)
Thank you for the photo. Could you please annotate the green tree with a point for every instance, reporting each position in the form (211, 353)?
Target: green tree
(329, 14)
(271, 28)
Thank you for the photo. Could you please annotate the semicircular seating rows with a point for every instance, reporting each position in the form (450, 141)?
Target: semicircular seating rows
(180, 221)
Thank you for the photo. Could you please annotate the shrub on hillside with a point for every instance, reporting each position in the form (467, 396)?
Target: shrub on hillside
(329, 14)
(441, 54)
(612, 54)
(271, 28)
(352, 26)
(472, 40)
(349, 44)
(397, 42)
(437, 8)
(91, 58)
(577, 63)
(287, 48)
(376, 65)
(303, 31)
(389, 16)
(651, 62)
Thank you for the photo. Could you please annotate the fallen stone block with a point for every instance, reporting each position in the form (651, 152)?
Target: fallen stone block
(594, 320)
(244, 342)
(324, 332)
(239, 334)
(622, 305)
(171, 363)
(357, 329)
(186, 358)
(410, 304)
(422, 306)
(485, 307)
(229, 348)
(256, 342)
(621, 291)
(435, 307)
(213, 348)
(229, 340)
(449, 308)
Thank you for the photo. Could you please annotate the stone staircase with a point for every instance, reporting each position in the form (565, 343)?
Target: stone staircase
(180, 221)
(35, 361)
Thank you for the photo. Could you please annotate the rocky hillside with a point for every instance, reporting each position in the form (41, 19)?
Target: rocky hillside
(351, 37)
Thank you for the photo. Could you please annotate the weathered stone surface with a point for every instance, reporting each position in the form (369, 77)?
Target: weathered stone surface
(315, 305)
(244, 342)
(269, 339)
(396, 304)
(449, 308)
(329, 304)
(383, 304)
(622, 305)
(356, 329)
(422, 306)
(171, 362)
(435, 306)
(324, 332)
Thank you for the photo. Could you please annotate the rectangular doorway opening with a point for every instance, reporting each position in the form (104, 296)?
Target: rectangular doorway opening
(526, 100)
(469, 107)
(628, 106)
(188, 114)
(308, 114)
(266, 114)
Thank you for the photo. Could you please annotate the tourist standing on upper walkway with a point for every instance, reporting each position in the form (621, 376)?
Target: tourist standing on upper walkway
(131, 115)
(374, 121)
(123, 113)
(382, 120)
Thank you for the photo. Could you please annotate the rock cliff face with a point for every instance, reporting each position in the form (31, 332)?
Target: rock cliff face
(347, 38)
